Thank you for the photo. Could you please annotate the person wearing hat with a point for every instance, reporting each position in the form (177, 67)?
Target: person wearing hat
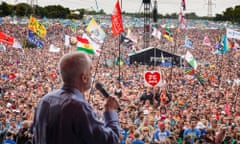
(161, 134)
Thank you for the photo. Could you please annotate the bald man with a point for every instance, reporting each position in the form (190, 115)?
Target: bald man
(65, 117)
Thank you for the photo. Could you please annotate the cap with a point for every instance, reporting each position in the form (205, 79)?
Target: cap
(161, 124)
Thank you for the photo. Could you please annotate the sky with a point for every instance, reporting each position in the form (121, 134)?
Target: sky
(200, 7)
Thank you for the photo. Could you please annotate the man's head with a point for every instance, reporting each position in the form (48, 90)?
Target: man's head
(193, 121)
(75, 69)
(161, 126)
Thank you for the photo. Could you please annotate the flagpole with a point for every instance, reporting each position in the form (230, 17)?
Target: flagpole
(95, 73)
(119, 53)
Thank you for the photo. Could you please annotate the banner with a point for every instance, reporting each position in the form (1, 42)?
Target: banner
(33, 39)
(37, 27)
(152, 78)
(6, 39)
(233, 34)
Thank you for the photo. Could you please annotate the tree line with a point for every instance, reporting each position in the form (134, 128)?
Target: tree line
(58, 11)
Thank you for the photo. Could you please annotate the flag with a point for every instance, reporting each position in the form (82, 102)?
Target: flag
(200, 78)
(156, 33)
(67, 40)
(167, 34)
(226, 45)
(74, 27)
(125, 41)
(182, 20)
(162, 58)
(37, 27)
(191, 60)
(206, 41)
(6, 39)
(189, 70)
(2, 47)
(93, 43)
(183, 5)
(16, 44)
(11, 76)
(188, 42)
(33, 39)
(87, 45)
(116, 18)
(53, 48)
(119, 62)
(83, 45)
(131, 36)
(95, 30)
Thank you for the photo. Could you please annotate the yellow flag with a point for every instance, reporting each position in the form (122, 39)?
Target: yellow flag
(37, 27)
(94, 29)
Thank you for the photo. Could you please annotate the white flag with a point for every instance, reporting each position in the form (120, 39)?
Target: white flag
(16, 44)
(2, 47)
(233, 34)
(156, 33)
(53, 48)
(191, 60)
(67, 40)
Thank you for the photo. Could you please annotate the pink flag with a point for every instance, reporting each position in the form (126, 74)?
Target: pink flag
(206, 41)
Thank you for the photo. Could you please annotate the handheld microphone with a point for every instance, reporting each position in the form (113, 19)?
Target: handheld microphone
(100, 87)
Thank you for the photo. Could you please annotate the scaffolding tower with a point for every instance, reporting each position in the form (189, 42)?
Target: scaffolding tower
(147, 21)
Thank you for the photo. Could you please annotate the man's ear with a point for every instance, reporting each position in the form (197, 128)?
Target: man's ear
(84, 78)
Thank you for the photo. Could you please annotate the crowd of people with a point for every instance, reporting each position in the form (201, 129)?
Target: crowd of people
(182, 110)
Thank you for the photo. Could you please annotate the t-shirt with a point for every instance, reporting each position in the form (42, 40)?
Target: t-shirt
(161, 136)
(193, 133)
(9, 142)
(137, 142)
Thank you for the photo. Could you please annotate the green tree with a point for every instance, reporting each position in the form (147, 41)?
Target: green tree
(23, 9)
(5, 9)
(57, 11)
(40, 11)
(191, 16)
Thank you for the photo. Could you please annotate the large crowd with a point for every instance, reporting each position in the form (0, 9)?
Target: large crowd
(182, 110)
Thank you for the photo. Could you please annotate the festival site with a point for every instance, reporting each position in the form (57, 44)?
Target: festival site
(176, 77)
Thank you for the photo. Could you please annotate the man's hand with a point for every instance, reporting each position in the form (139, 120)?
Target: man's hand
(111, 104)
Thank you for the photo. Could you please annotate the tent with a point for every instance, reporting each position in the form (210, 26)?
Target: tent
(155, 56)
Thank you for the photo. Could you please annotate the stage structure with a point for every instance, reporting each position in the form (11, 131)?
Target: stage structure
(147, 22)
(156, 57)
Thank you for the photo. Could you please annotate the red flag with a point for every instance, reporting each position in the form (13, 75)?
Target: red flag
(6, 39)
(11, 76)
(117, 26)
(183, 5)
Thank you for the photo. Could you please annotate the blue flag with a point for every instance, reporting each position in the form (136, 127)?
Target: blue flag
(33, 39)
(188, 43)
